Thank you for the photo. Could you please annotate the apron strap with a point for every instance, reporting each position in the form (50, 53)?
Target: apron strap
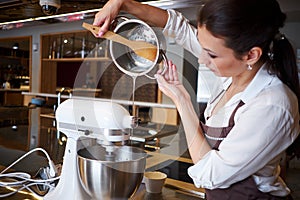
(231, 119)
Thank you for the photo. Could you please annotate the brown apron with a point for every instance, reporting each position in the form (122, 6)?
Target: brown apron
(245, 189)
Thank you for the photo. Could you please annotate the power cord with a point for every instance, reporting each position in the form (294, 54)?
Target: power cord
(22, 180)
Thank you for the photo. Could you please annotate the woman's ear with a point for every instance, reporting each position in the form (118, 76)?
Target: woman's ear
(253, 55)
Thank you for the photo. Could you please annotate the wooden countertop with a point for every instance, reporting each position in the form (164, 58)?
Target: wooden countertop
(156, 158)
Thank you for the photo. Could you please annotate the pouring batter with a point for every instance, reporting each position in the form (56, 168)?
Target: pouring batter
(239, 40)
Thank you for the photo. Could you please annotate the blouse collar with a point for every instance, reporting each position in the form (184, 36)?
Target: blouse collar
(262, 79)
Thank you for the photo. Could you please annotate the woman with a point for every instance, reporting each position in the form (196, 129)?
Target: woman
(253, 116)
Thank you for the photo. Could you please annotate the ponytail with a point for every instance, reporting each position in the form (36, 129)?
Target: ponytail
(283, 63)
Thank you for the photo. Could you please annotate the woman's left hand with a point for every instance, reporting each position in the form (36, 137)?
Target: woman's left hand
(170, 85)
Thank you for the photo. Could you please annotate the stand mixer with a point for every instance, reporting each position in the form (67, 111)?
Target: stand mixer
(96, 125)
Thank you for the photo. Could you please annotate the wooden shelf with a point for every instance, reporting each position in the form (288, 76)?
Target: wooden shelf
(13, 57)
(102, 59)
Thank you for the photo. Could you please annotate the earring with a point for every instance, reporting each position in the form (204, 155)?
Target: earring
(249, 68)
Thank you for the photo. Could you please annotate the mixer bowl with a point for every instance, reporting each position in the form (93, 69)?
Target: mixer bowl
(115, 177)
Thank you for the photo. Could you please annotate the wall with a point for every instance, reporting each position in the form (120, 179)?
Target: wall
(292, 32)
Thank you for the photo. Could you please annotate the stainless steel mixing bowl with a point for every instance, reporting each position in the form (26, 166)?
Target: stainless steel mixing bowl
(111, 177)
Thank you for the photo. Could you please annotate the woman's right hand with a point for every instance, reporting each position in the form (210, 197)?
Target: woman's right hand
(152, 15)
(106, 15)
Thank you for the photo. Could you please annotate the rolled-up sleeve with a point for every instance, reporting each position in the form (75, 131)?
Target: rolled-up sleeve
(179, 28)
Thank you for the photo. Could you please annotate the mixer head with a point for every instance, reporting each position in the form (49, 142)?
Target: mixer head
(105, 121)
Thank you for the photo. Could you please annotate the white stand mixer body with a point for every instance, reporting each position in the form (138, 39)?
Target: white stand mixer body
(82, 120)
(69, 186)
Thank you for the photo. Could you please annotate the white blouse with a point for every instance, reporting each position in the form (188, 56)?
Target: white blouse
(265, 126)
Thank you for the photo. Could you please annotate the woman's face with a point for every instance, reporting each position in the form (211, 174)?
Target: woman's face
(218, 58)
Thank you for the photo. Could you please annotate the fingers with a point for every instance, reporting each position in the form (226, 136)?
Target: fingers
(175, 72)
(164, 69)
(98, 20)
(105, 16)
(160, 79)
(171, 73)
(162, 83)
(104, 28)
(103, 23)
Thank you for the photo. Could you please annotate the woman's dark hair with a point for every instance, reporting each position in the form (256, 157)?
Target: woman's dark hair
(245, 24)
